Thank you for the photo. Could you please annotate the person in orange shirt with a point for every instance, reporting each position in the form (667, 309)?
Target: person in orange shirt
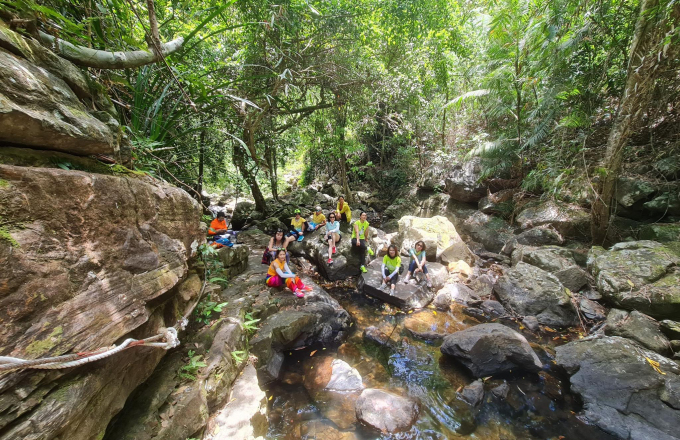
(279, 273)
(218, 227)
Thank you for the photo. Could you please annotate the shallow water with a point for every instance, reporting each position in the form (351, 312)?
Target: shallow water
(538, 406)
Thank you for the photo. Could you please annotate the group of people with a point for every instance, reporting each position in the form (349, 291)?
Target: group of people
(279, 272)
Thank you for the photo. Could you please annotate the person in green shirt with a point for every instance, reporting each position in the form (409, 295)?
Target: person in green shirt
(390, 268)
(359, 235)
(418, 260)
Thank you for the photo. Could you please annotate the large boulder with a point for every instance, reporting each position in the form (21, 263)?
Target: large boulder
(569, 220)
(667, 202)
(640, 275)
(242, 212)
(638, 327)
(538, 236)
(661, 232)
(463, 183)
(632, 192)
(430, 325)
(385, 411)
(556, 260)
(488, 349)
(39, 109)
(438, 234)
(490, 231)
(234, 259)
(406, 296)
(622, 392)
(88, 260)
(528, 290)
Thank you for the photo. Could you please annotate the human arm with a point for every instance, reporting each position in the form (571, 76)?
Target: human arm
(382, 271)
(356, 233)
(287, 274)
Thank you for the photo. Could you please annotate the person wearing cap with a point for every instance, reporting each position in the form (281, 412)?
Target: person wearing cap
(318, 220)
(297, 226)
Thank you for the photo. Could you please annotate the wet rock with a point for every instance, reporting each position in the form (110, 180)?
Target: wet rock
(640, 275)
(670, 328)
(385, 411)
(661, 232)
(622, 393)
(556, 260)
(473, 393)
(374, 334)
(245, 415)
(430, 325)
(638, 327)
(531, 322)
(457, 292)
(539, 236)
(463, 182)
(501, 391)
(528, 290)
(488, 349)
(439, 235)
(569, 220)
(39, 109)
(318, 430)
(493, 308)
(406, 296)
(592, 310)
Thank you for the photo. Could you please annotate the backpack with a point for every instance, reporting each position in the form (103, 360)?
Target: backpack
(266, 257)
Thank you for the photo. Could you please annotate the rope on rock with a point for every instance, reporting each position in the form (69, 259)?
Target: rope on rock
(168, 335)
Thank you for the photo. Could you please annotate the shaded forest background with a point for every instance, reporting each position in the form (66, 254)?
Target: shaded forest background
(263, 96)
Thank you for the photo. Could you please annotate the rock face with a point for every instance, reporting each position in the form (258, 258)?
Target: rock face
(386, 412)
(490, 231)
(641, 275)
(488, 349)
(406, 296)
(556, 260)
(529, 290)
(638, 327)
(438, 234)
(570, 221)
(661, 232)
(38, 108)
(538, 236)
(72, 285)
(234, 259)
(429, 325)
(621, 391)
(463, 182)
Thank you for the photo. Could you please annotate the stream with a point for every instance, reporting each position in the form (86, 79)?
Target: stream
(537, 406)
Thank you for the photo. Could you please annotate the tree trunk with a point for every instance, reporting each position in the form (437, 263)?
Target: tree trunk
(201, 162)
(153, 26)
(239, 156)
(646, 54)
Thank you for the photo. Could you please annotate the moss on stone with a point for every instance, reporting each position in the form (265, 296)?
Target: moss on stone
(38, 348)
(4, 183)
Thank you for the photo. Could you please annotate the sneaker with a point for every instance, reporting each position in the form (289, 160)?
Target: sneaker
(300, 294)
(330, 261)
(363, 269)
(429, 284)
(300, 238)
(370, 251)
(406, 280)
(307, 288)
(334, 251)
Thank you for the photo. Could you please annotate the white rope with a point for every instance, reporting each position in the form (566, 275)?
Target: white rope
(77, 359)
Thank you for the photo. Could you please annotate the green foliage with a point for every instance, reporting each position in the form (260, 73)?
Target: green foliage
(206, 309)
(239, 355)
(189, 371)
(249, 323)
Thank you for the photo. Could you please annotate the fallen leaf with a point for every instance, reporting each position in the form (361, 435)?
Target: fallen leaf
(271, 397)
(312, 353)
(655, 365)
(630, 283)
(548, 329)
(434, 313)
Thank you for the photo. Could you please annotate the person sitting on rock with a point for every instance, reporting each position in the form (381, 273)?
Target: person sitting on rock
(218, 228)
(279, 273)
(278, 241)
(298, 226)
(343, 211)
(391, 265)
(359, 234)
(318, 220)
(418, 260)
(332, 236)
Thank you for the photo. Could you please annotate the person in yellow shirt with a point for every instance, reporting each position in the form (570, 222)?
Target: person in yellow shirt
(298, 226)
(391, 265)
(359, 237)
(279, 273)
(318, 220)
(343, 211)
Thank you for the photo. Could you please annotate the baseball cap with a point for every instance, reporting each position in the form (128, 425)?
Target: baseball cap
(297, 211)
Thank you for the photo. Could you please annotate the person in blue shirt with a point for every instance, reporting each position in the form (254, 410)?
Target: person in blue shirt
(418, 260)
(332, 235)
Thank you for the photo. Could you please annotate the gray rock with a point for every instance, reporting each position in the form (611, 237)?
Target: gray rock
(621, 392)
(667, 203)
(39, 109)
(531, 322)
(528, 290)
(439, 235)
(376, 336)
(488, 349)
(670, 328)
(640, 275)
(538, 236)
(463, 182)
(234, 259)
(569, 220)
(242, 212)
(592, 310)
(556, 260)
(675, 346)
(630, 191)
(501, 391)
(386, 412)
(668, 168)
(638, 327)
(456, 292)
(493, 308)
(473, 393)
(661, 232)
(492, 232)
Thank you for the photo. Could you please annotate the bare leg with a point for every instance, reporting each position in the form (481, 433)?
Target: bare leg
(330, 247)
